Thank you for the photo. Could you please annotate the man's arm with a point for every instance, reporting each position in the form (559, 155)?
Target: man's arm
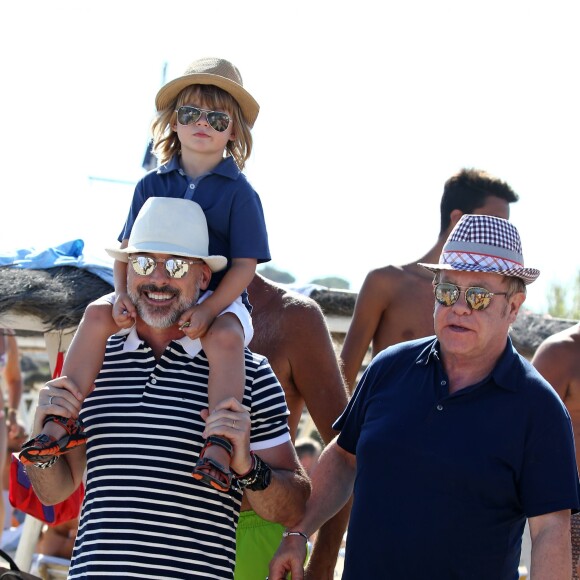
(551, 546)
(284, 500)
(56, 483)
(332, 485)
(316, 376)
(371, 302)
(13, 378)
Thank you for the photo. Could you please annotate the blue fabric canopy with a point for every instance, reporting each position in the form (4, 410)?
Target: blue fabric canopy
(66, 254)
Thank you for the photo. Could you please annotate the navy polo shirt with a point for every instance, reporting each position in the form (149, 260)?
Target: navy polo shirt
(234, 213)
(445, 482)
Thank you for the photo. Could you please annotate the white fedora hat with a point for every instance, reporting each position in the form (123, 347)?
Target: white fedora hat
(168, 225)
(483, 243)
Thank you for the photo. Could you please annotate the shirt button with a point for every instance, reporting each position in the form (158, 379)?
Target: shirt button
(153, 381)
(443, 383)
(191, 186)
(440, 407)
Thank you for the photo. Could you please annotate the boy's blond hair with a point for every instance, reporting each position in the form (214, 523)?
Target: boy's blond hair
(165, 141)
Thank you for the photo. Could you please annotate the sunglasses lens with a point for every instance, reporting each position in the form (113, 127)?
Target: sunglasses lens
(478, 298)
(187, 115)
(219, 121)
(143, 265)
(446, 294)
(176, 268)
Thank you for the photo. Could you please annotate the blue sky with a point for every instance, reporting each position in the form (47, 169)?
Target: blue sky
(366, 109)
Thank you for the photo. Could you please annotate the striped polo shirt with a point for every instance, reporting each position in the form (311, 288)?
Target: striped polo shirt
(144, 515)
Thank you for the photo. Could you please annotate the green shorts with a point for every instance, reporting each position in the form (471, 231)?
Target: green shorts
(256, 542)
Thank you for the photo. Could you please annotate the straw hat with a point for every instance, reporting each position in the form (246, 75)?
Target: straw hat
(211, 71)
(483, 243)
(169, 225)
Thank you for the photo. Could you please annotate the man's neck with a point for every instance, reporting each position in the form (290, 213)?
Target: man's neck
(432, 256)
(157, 338)
(464, 371)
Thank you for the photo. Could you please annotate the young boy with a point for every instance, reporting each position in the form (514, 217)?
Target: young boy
(202, 139)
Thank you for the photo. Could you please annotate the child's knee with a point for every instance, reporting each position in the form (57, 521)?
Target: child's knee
(224, 338)
(99, 314)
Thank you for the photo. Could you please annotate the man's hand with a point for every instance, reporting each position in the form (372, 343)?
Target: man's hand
(60, 397)
(289, 557)
(231, 420)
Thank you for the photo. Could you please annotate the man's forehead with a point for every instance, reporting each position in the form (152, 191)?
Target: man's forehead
(462, 278)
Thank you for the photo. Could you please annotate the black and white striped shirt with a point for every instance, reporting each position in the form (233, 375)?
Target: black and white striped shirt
(144, 516)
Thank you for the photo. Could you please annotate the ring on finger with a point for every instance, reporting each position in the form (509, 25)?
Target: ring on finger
(234, 424)
(50, 399)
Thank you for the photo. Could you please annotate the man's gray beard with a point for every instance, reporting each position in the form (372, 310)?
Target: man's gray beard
(162, 318)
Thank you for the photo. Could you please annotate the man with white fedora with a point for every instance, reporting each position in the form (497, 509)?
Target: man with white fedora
(144, 516)
(450, 442)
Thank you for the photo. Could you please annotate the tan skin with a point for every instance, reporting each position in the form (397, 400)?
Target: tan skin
(558, 361)
(290, 330)
(58, 540)
(11, 430)
(282, 501)
(395, 303)
(202, 149)
(471, 343)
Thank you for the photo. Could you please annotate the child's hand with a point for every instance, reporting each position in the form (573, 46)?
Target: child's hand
(124, 312)
(196, 321)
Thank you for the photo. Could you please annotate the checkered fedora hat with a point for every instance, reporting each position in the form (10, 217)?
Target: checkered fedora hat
(483, 243)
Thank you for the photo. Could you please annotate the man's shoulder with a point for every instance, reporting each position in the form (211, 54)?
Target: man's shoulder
(565, 343)
(256, 362)
(394, 276)
(569, 338)
(406, 350)
(286, 301)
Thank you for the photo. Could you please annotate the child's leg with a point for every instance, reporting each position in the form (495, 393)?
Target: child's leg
(82, 363)
(224, 348)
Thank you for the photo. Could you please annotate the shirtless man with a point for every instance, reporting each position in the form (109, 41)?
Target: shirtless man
(290, 330)
(395, 303)
(558, 360)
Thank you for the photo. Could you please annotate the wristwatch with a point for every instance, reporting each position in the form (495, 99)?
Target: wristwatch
(259, 476)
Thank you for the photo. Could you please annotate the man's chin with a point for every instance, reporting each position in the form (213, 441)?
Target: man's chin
(158, 320)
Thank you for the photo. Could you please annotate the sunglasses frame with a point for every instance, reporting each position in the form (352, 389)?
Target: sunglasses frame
(207, 117)
(133, 259)
(465, 290)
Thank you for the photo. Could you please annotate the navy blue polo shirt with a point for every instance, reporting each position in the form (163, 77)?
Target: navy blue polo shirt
(234, 213)
(445, 482)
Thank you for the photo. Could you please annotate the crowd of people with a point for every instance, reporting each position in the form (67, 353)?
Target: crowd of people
(182, 393)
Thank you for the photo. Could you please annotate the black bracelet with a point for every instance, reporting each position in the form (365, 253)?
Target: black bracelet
(286, 534)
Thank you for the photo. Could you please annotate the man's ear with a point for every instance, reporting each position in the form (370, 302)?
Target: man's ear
(205, 277)
(454, 217)
(515, 304)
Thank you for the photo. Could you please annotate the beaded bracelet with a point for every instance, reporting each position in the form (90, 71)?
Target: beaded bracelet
(286, 534)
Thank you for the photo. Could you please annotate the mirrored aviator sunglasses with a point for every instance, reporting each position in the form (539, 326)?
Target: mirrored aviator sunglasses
(477, 298)
(186, 115)
(175, 267)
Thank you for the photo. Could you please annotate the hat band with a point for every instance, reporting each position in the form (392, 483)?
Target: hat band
(477, 248)
(468, 260)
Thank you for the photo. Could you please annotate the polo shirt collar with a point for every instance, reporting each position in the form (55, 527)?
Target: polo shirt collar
(226, 167)
(502, 374)
(133, 342)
